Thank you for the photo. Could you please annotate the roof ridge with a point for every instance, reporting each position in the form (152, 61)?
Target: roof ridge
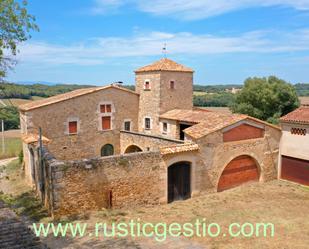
(68, 95)
(164, 64)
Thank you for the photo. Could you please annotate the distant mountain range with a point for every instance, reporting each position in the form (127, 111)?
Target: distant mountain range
(41, 83)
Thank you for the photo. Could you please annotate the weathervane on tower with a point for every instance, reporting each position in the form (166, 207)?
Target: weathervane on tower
(164, 50)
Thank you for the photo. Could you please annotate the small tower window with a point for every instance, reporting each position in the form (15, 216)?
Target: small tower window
(172, 84)
(127, 125)
(147, 123)
(164, 127)
(147, 85)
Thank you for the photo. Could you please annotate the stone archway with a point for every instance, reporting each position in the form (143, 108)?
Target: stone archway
(133, 149)
(179, 181)
(240, 170)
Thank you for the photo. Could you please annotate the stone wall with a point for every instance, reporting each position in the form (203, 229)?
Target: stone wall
(116, 181)
(144, 141)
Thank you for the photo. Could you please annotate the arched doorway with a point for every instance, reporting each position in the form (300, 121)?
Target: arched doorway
(133, 149)
(240, 170)
(32, 164)
(107, 150)
(179, 181)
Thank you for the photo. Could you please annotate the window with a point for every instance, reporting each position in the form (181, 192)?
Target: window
(147, 85)
(172, 84)
(72, 127)
(127, 125)
(147, 124)
(106, 108)
(165, 127)
(106, 123)
(298, 131)
(107, 150)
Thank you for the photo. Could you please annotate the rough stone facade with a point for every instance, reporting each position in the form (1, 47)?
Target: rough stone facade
(87, 143)
(160, 97)
(110, 182)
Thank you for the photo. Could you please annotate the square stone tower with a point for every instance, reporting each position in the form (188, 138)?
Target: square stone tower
(163, 86)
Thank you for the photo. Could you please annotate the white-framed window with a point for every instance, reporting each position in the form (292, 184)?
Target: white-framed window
(106, 115)
(72, 126)
(147, 123)
(127, 125)
(147, 85)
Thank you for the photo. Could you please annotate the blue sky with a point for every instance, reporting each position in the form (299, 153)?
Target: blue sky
(225, 41)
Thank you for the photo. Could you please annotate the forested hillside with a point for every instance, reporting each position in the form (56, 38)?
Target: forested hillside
(11, 90)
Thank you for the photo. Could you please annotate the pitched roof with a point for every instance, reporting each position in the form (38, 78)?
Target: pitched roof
(207, 122)
(191, 116)
(164, 65)
(300, 115)
(214, 124)
(177, 148)
(33, 138)
(66, 96)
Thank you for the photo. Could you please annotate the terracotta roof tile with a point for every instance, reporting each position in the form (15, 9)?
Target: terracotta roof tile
(216, 123)
(300, 115)
(190, 116)
(164, 65)
(66, 96)
(172, 149)
(206, 122)
(33, 138)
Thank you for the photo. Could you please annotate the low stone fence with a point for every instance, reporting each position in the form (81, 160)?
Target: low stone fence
(144, 141)
(107, 182)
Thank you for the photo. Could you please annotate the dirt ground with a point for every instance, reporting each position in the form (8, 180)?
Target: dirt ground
(283, 204)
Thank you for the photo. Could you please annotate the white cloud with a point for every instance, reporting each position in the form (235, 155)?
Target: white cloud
(196, 9)
(106, 6)
(98, 50)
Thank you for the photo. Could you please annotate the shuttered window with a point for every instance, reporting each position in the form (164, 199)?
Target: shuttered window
(106, 108)
(72, 127)
(106, 123)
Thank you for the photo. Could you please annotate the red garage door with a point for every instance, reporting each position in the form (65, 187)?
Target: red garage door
(295, 170)
(240, 170)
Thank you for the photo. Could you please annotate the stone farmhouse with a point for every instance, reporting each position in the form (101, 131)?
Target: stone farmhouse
(107, 147)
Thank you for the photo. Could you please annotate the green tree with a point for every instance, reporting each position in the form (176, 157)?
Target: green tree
(10, 116)
(266, 98)
(15, 26)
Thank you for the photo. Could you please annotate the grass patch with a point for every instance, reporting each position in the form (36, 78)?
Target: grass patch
(13, 166)
(25, 204)
(12, 148)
